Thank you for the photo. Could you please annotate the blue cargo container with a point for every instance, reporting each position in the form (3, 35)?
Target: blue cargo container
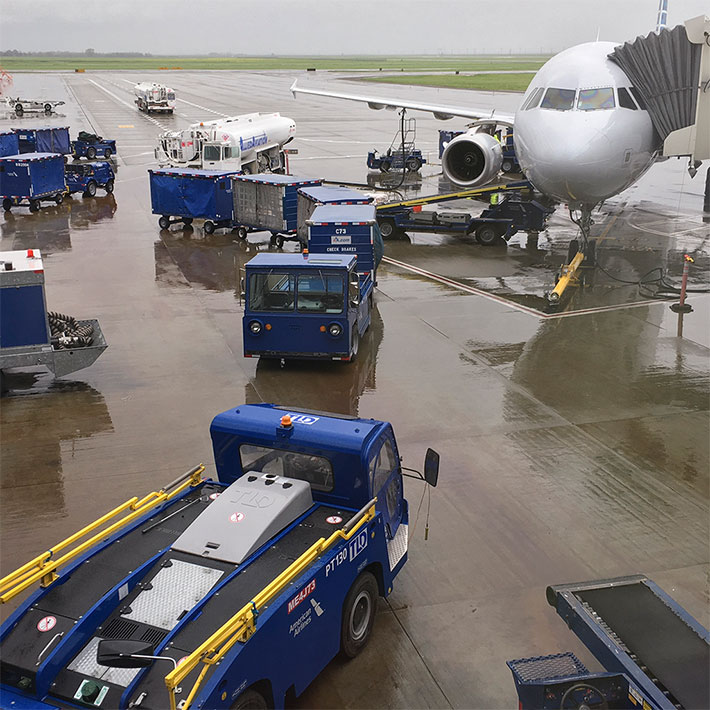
(310, 197)
(44, 140)
(269, 202)
(347, 229)
(9, 144)
(30, 178)
(305, 306)
(184, 194)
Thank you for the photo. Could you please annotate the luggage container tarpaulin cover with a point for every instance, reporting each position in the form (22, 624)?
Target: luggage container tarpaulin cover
(268, 201)
(310, 197)
(187, 192)
(9, 144)
(44, 140)
(31, 175)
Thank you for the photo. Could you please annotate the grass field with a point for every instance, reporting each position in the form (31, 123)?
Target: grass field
(480, 82)
(342, 63)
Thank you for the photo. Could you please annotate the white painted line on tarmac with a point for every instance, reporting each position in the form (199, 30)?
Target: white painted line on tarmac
(328, 157)
(125, 103)
(510, 304)
(204, 108)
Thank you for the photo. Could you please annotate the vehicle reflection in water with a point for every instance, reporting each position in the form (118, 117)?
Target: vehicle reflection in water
(86, 212)
(320, 384)
(393, 181)
(41, 424)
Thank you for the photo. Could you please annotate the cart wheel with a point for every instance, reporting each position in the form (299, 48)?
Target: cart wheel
(109, 186)
(250, 700)
(209, 226)
(91, 152)
(507, 166)
(19, 109)
(387, 228)
(487, 235)
(279, 241)
(59, 198)
(164, 222)
(107, 153)
(413, 164)
(358, 615)
(34, 205)
(7, 204)
(90, 189)
(242, 232)
(48, 108)
(385, 166)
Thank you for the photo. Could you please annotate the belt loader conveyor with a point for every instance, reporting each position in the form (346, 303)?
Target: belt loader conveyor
(656, 655)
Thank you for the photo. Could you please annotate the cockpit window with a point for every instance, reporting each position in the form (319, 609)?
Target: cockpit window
(595, 99)
(533, 99)
(625, 100)
(639, 99)
(558, 99)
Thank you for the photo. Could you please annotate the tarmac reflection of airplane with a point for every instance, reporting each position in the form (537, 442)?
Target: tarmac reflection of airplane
(54, 417)
(317, 384)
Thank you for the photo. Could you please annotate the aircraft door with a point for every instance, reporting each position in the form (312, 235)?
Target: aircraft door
(386, 481)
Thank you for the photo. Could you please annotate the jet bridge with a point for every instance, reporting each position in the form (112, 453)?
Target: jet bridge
(671, 69)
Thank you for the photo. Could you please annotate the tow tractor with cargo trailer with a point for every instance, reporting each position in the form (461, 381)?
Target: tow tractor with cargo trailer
(192, 596)
(655, 655)
(90, 146)
(511, 212)
(21, 106)
(30, 336)
(402, 153)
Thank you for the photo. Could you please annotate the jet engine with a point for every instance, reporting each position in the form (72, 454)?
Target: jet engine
(472, 159)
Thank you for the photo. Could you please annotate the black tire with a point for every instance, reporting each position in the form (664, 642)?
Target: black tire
(250, 700)
(413, 164)
(572, 250)
(507, 166)
(107, 153)
(247, 170)
(279, 241)
(48, 108)
(242, 232)
(109, 186)
(164, 222)
(19, 109)
(34, 205)
(209, 226)
(59, 198)
(358, 615)
(90, 189)
(487, 235)
(91, 152)
(387, 228)
(355, 343)
(385, 166)
(7, 204)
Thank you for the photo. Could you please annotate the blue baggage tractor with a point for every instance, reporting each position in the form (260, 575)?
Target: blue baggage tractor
(31, 178)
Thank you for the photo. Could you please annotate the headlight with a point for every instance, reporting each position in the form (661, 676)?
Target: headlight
(255, 327)
(335, 329)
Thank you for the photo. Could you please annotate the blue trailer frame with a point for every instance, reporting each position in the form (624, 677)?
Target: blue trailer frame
(620, 621)
(87, 177)
(181, 195)
(349, 541)
(103, 148)
(30, 178)
(305, 307)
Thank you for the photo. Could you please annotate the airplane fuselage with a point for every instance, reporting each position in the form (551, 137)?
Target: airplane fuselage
(587, 139)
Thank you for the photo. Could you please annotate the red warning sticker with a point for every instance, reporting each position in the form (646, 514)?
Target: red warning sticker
(47, 623)
(214, 496)
(236, 517)
(334, 520)
(184, 658)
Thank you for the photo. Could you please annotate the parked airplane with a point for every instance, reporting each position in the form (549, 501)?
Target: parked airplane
(582, 131)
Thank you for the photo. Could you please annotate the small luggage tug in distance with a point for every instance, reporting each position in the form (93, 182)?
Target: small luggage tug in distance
(192, 596)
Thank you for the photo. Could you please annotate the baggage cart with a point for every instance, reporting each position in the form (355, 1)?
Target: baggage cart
(310, 197)
(31, 178)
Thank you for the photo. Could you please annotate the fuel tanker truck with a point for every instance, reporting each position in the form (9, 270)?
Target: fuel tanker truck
(252, 143)
(154, 97)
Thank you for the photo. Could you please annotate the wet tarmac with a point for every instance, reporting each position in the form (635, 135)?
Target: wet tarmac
(574, 445)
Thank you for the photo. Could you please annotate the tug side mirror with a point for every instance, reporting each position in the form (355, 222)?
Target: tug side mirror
(122, 653)
(431, 467)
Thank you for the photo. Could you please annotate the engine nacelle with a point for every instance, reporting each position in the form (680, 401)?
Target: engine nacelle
(472, 159)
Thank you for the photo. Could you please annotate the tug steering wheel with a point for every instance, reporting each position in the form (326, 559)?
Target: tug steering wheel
(592, 699)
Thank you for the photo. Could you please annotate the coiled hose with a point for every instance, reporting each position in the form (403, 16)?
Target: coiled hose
(66, 333)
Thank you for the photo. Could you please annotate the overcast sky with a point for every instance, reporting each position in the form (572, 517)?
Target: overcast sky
(327, 26)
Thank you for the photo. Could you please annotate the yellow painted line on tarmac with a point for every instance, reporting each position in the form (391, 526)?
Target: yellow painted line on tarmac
(126, 125)
(603, 235)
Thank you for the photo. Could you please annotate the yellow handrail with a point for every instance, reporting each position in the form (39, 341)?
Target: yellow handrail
(243, 624)
(43, 567)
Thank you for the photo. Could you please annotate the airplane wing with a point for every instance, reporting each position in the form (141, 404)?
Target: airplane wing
(441, 112)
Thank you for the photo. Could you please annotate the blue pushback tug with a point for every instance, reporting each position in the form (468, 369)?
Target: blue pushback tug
(195, 595)
(305, 306)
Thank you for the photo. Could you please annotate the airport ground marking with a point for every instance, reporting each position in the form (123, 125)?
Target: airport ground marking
(511, 304)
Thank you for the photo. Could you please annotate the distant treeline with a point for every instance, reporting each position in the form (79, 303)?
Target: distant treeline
(88, 52)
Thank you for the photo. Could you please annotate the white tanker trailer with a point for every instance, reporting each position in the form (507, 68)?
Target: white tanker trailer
(251, 143)
(154, 97)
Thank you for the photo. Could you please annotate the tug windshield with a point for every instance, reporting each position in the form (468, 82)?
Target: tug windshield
(319, 293)
(316, 470)
(273, 291)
